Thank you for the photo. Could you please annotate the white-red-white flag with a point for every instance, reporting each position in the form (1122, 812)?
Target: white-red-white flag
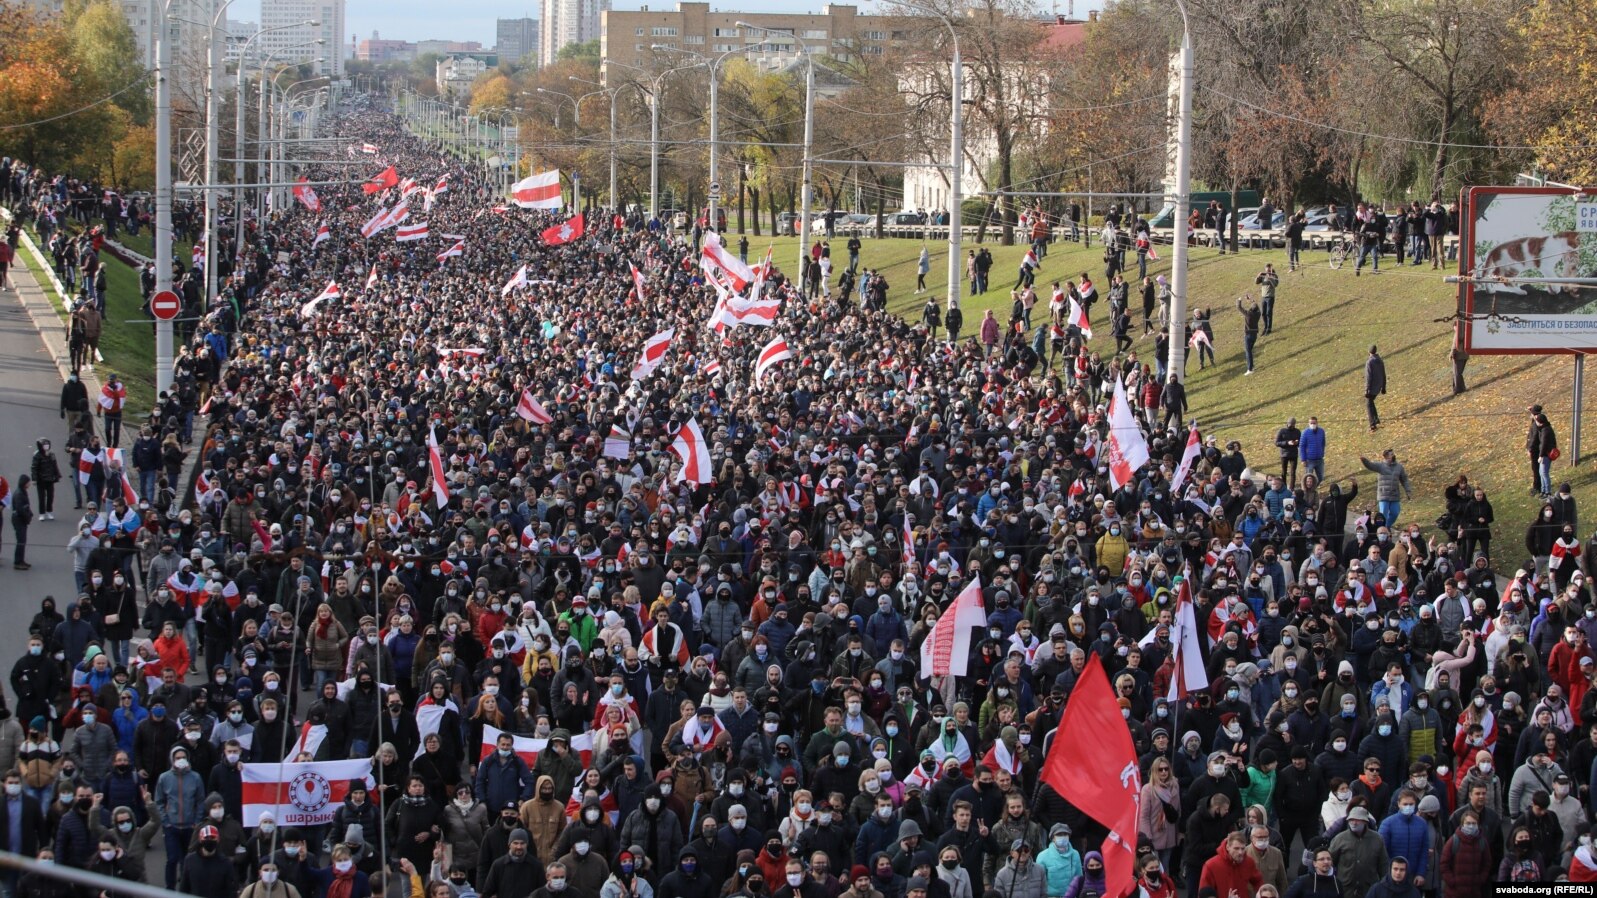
(371, 279)
(637, 281)
(435, 461)
(618, 443)
(299, 794)
(519, 279)
(331, 291)
(715, 255)
(369, 149)
(653, 353)
(1190, 674)
(1127, 449)
(691, 447)
(410, 232)
(946, 651)
(323, 234)
(1078, 319)
(540, 190)
(774, 353)
(530, 410)
(1188, 457)
(458, 248)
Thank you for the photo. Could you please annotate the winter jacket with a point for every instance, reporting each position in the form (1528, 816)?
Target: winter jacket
(1466, 866)
(1030, 882)
(1221, 875)
(1311, 445)
(544, 819)
(1408, 837)
(93, 748)
(1313, 885)
(179, 796)
(1392, 485)
(1360, 860)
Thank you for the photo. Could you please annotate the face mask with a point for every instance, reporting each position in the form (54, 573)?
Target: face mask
(582, 848)
(267, 876)
(232, 757)
(795, 879)
(291, 850)
(842, 760)
(343, 866)
(125, 826)
(218, 813)
(591, 816)
(180, 764)
(1384, 729)
(557, 885)
(108, 855)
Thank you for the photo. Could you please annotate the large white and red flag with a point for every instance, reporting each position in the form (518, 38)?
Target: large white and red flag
(323, 234)
(618, 443)
(519, 279)
(409, 232)
(653, 353)
(429, 718)
(1128, 450)
(731, 311)
(530, 410)
(694, 451)
(716, 255)
(458, 248)
(565, 232)
(946, 651)
(540, 190)
(331, 291)
(371, 279)
(310, 739)
(774, 353)
(1188, 457)
(435, 461)
(1099, 775)
(307, 196)
(528, 747)
(306, 794)
(369, 149)
(1078, 319)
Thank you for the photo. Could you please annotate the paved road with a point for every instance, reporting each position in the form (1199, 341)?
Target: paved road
(30, 394)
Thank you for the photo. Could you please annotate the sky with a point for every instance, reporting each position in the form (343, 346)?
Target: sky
(414, 20)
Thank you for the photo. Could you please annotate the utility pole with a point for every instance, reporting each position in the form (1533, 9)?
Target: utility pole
(163, 196)
(1178, 255)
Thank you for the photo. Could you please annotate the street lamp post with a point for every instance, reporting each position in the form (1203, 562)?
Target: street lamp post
(654, 130)
(610, 94)
(238, 133)
(956, 157)
(1178, 253)
(809, 140)
(715, 117)
(163, 195)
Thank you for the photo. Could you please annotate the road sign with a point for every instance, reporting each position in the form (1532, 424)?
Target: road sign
(165, 305)
(715, 190)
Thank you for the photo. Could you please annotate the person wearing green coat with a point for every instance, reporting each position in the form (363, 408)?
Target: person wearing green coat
(1261, 780)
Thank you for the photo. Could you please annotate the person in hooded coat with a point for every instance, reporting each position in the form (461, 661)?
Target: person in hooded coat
(516, 874)
(655, 828)
(689, 879)
(593, 827)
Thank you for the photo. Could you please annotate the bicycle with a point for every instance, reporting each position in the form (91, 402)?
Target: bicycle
(1340, 248)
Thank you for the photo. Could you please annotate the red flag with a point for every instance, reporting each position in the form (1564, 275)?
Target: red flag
(435, 462)
(637, 281)
(565, 232)
(307, 196)
(1099, 775)
(382, 180)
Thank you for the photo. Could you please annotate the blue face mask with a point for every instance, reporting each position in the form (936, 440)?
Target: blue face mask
(158, 712)
(689, 866)
(1407, 810)
(626, 867)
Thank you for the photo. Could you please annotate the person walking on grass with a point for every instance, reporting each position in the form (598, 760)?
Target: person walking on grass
(923, 266)
(1374, 385)
(1392, 487)
(953, 319)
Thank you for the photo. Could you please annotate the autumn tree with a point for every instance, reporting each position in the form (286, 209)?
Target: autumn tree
(1548, 98)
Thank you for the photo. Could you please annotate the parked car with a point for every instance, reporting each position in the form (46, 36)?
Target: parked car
(902, 219)
(1250, 220)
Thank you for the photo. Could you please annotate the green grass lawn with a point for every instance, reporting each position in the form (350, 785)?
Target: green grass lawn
(1312, 364)
(127, 344)
(144, 244)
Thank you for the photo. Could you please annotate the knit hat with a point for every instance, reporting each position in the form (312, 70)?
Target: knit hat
(519, 835)
(857, 871)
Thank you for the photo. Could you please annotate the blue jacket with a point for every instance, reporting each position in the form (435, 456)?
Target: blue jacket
(875, 835)
(179, 798)
(126, 721)
(500, 781)
(1311, 445)
(1408, 837)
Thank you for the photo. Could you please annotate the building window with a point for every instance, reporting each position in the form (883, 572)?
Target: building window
(816, 34)
(871, 50)
(640, 32)
(725, 48)
(693, 39)
(876, 35)
(726, 32)
(663, 32)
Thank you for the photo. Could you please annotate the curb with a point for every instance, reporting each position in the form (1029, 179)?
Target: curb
(46, 320)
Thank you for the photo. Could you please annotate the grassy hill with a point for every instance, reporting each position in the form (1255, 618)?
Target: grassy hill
(1312, 364)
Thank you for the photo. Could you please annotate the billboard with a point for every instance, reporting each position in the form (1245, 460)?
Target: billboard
(1528, 232)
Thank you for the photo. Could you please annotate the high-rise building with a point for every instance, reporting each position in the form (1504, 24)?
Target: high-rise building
(516, 38)
(188, 48)
(838, 31)
(278, 44)
(567, 22)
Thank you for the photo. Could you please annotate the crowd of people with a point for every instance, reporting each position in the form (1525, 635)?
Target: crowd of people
(724, 677)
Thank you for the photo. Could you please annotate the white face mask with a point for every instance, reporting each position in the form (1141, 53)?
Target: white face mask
(343, 866)
(268, 876)
(108, 855)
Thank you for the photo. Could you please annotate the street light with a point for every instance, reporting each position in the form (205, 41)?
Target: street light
(238, 139)
(654, 129)
(610, 94)
(715, 116)
(956, 156)
(1178, 254)
(260, 117)
(809, 138)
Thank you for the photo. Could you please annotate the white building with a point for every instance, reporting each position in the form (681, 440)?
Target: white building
(455, 75)
(188, 40)
(567, 22)
(279, 13)
(239, 34)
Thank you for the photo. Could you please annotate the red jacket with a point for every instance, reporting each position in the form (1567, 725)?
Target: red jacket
(1466, 866)
(1220, 875)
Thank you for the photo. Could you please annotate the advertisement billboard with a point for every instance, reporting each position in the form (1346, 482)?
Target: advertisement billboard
(1528, 232)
